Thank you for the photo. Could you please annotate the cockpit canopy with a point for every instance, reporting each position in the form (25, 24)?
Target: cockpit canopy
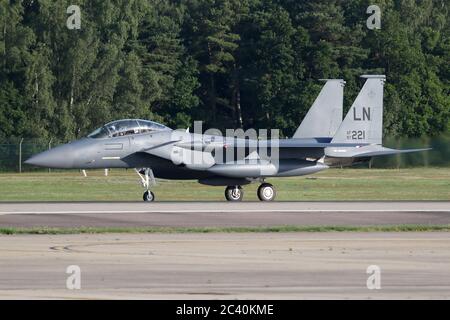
(126, 127)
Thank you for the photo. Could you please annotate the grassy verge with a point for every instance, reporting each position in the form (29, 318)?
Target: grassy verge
(333, 184)
(274, 229)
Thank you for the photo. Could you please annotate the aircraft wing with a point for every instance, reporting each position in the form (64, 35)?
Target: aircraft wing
(179, 154)
(246, 143)
(163, 150)
(182, 152)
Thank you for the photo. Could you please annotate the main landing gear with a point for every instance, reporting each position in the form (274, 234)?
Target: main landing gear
(234, 193)
(147, 180)
(266, 192)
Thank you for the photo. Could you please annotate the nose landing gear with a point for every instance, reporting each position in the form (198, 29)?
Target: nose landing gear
(147, 180)
(149, 196)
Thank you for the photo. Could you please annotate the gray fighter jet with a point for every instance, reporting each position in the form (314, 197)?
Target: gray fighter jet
(234, 160)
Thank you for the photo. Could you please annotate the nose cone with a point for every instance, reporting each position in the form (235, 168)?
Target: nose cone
(59, 157)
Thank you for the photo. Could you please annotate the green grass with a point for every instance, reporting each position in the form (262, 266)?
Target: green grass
(333, 184)
(337, 184)
(274, 229)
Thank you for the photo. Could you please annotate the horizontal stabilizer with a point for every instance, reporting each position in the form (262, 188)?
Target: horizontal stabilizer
(388, 151)
(365, 151)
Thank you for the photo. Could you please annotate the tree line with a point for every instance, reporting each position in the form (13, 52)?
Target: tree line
(230, 63)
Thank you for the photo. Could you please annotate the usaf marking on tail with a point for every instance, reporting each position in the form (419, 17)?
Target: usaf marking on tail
(365, 114)
(321, 141)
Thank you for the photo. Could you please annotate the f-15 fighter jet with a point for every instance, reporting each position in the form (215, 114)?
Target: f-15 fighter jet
(240, 158)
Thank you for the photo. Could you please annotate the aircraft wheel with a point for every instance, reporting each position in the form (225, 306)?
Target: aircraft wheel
(234, 193)
(266, 192)
(149, 196)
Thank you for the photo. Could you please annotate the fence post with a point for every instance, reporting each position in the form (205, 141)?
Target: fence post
(426, 158)
(49, 147)
(20, 155)
(398, 157)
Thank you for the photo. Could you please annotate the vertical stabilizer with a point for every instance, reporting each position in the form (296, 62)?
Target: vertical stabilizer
(325, 115)
(364, 121)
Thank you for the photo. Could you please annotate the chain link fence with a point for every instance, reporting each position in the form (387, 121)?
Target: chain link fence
(14, 152)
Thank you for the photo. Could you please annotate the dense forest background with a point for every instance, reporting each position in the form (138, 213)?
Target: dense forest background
(234, 63)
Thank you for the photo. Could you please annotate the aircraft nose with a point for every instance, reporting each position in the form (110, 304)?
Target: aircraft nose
(59, 157)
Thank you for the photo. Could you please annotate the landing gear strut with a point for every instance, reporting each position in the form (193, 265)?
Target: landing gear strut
(234, 193)
(147, 180)
(266, 192)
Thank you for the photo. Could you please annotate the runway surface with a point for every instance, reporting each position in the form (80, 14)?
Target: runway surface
(222, 214)
(227, 266)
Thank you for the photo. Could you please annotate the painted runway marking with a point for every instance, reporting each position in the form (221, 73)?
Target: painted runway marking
(231, 211)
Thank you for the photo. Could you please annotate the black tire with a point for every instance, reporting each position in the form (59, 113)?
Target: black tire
(149, 196)
(234, 194)
(266, 192)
